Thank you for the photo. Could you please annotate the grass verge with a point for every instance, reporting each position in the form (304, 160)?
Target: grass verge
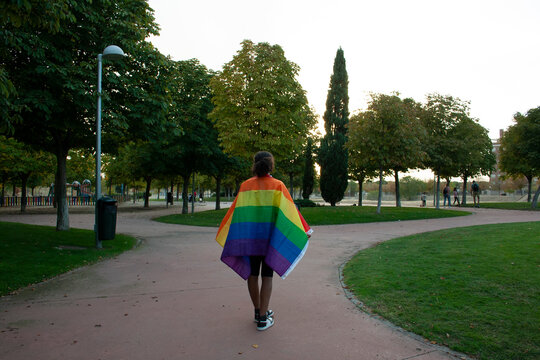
(474, 289)
(325, 215)
(506, 206)
(31, 253)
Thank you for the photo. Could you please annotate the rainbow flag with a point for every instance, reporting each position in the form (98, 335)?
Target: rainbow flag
(263, 221)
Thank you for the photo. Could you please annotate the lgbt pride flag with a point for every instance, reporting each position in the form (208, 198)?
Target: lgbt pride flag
(263, 221)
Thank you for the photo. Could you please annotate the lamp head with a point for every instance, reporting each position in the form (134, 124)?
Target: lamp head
(113, 52)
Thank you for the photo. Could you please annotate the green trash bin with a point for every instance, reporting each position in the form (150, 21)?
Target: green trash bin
(107, 207)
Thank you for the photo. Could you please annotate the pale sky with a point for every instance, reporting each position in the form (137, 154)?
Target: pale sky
(486, 52)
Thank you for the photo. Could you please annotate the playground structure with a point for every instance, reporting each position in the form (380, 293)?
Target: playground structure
(77, 194)
(80, 193)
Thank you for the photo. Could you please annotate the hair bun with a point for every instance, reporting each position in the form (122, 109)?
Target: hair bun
(263, 163)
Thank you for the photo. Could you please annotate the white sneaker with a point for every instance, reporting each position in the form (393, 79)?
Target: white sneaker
(269, 313)
(264, 323)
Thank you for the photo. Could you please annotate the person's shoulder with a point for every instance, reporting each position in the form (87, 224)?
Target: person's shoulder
(250, 180)
(274, 180)
(262, 183)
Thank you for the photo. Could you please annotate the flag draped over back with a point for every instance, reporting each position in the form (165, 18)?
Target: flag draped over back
(263, 221)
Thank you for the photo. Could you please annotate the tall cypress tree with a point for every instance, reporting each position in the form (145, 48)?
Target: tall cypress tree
(333, 156)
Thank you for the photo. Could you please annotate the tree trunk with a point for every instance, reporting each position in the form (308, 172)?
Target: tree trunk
(193, 194)
(147, 191)
(3, 191)
(535, 198)
(464, 195)
(218, 192)
(379, 200)
(398, 197)
(438, 191)
(360, 189)
(185, 186)
(62, 211)
(14, 190)
(529, 180)
(24, 180)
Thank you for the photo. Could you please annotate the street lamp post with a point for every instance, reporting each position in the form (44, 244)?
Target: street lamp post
(111, 52)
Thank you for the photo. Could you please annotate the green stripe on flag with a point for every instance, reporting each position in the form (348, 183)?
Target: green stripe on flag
(254, 214)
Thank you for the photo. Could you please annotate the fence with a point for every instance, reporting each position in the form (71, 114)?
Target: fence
(15, 201)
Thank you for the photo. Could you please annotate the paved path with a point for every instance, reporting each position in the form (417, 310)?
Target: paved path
(172, 298)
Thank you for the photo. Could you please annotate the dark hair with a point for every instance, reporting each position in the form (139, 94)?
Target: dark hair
(263, 163)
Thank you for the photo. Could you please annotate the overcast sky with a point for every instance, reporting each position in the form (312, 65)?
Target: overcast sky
(486, 52)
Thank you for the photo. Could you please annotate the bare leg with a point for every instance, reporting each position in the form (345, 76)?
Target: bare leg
(253, 287)
(266, 292)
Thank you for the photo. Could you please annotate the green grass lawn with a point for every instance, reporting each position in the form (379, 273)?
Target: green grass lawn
(30, 253)
(506, 206)
(325, 215)
(474, 289)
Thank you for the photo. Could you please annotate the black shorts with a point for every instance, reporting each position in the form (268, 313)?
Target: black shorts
(256, 262)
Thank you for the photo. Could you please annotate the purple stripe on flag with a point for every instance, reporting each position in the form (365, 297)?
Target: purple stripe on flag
(245, 247)
(276, 261)
(240, 265)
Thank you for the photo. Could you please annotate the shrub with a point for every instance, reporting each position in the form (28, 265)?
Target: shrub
(305, 203)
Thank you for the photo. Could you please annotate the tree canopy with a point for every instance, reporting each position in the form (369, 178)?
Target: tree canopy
(51, 65)
(259, 103)
(441, 115)
(520, 148)
(362, 161)
(473, 151)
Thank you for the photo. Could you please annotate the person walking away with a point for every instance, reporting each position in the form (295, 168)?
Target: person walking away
(456, 197)
(475, 190)
(263, 232)
(446, 194)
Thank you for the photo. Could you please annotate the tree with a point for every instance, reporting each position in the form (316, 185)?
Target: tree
(190, 142)
(20, 161)
(387, 138)
(308, 179)
(473, 151)
(412, 187)
(292, 167)
(520, 149)
(406, 139)
(440, 116)
(332, 155)
(54, 73)
(259, 104)
(362, 166)
(44, 16)
(81, 165)
(221, 164)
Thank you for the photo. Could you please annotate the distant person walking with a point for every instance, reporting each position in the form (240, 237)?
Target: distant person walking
(446, 194)
(475, 190)
(456, 197)
(263, 232)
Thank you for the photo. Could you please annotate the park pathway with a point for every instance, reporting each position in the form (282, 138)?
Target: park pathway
(172, 298)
